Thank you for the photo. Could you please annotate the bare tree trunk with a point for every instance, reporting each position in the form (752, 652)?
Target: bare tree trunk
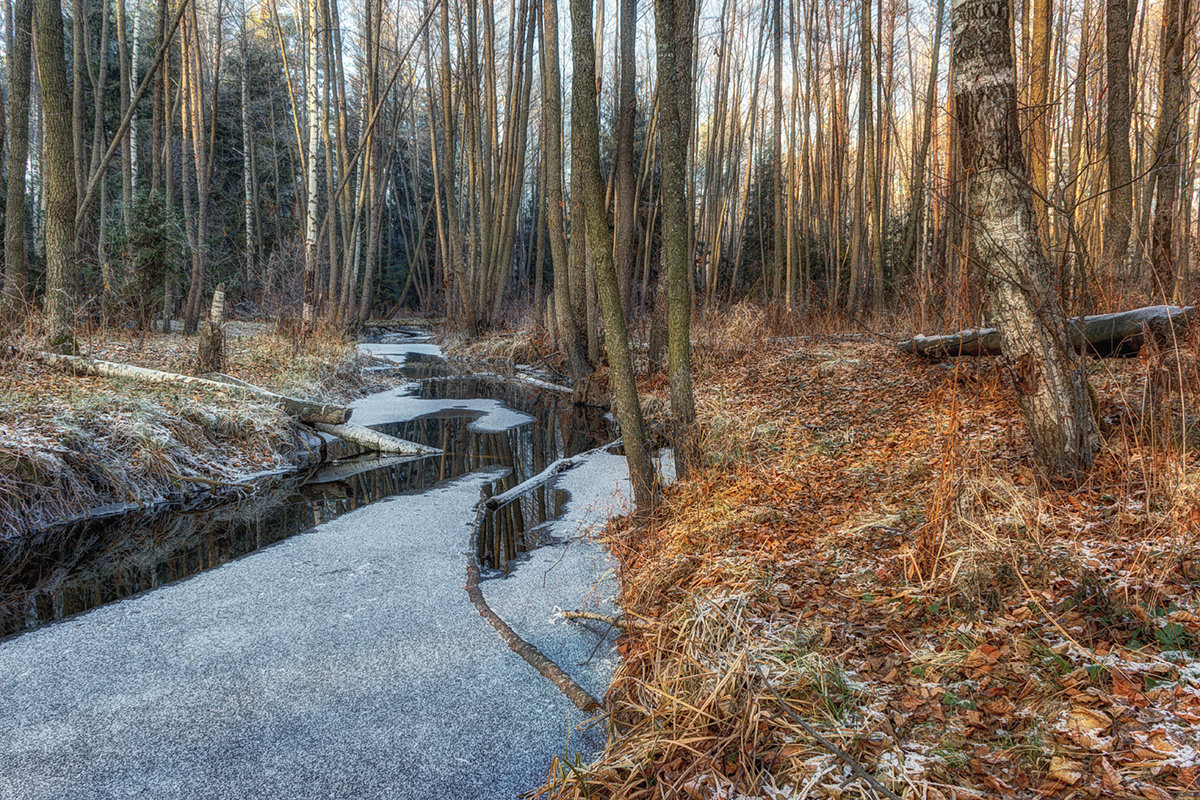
(15, 269)
(912, 231)
(309, 308)
(62, 267)
(1004, 243)
(673, 21)
(1039, 113)
(1172, 121)
(247, 162)
(568, 328)
(1118, 22)
(203, 136)
(161, 121)
(78, 63)
(126, 94)
(133, 82)
(625, 184)
(777, 250)
(585, 130)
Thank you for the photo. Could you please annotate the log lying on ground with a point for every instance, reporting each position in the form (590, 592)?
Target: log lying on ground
(1119, 334)
(355, 434)
(562, 465)
(374, 440)
(303, 410)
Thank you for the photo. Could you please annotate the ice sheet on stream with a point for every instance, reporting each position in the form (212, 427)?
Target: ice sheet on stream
(397, 405)
(346, 661)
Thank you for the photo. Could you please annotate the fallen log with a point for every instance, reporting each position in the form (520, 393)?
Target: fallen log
(1118, 334)
(374, 440)
(303, 410)
(560, 466)
(355, 434)
(533, 656)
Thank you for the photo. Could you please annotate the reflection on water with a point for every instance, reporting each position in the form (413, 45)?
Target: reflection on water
(508, 532)
(62, 571)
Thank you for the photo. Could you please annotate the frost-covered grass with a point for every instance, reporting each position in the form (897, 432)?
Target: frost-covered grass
(70, 444)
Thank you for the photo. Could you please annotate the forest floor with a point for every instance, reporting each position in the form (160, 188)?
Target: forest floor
(73, 445)
(870, 542)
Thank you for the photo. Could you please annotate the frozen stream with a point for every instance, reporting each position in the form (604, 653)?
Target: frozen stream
(319, 643)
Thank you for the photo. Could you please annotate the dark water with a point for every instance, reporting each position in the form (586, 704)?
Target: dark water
(65, 570)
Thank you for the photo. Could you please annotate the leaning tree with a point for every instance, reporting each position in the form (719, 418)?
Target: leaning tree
(1005, 247)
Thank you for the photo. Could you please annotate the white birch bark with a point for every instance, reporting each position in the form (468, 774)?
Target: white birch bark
(314, 142)
(1005, 248)
(133, 84)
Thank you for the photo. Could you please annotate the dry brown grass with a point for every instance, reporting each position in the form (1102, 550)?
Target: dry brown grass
(870, 530)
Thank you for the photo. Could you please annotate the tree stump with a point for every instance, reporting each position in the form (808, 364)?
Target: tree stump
(211, 357)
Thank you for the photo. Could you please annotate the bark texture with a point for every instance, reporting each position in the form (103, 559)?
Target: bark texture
(18, 152)
(568, 328)
(1004, 243)
(673, 23)
(1172, 122)
(62, 268)
(585, 129)
(1120, 171)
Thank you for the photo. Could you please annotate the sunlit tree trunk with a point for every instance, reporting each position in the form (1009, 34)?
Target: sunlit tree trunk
(1039, 114)
(916, 211)
(1172, 120)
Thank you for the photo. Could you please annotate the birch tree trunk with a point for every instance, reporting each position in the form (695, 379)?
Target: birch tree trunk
(247, 164)
(1004, 243)
(133, 83)
(309, 310)
(126, 93)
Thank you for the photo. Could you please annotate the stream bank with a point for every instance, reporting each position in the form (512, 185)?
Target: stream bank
(75, 447)
(343, 659)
